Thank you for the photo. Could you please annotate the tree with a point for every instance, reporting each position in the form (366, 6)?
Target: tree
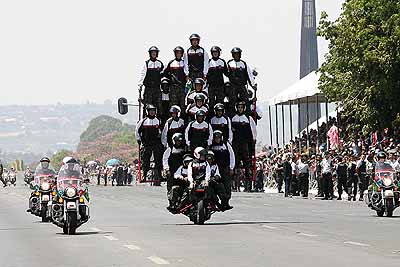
(362, 68)
(56, 160)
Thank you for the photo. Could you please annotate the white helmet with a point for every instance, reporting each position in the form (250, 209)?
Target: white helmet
(199, 152)
(66, 159)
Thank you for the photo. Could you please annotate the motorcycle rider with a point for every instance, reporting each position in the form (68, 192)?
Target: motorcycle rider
(178, 195)
(195, 59)
(173, 125)
(172, 159)
(244, 134)
(150, 77)
(199, 132)
(225, 160)
(199, 170)
(217, 68)
(165, 99)
(216, 188)
(240, 74)
(198, 84)
(176, 74)
(148, 135)
(222, 123)
(198, 104)
(382, 164)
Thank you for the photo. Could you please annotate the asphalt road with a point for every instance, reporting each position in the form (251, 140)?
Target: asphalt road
(130, 226)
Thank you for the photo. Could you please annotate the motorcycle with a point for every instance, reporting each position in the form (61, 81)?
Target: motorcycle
(42, 196)
(383, 195)
(11, 178)
(70, 209)
(199, 207)
(28, 178)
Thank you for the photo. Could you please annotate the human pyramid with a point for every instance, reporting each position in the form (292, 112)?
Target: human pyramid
(197, 126)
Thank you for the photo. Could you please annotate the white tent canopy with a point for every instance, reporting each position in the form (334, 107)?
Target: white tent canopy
(306, 87)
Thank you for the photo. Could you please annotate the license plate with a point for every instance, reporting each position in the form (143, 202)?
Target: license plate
(45, 198)
(71, 205)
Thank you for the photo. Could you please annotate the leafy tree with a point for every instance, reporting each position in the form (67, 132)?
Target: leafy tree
(362, 68)
(57, 158)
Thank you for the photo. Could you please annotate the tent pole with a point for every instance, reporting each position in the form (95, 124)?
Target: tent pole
(276, 126)
(283, 125)
(291, 120)
(326, 130)
(270, 125)
(308, 122)
(317, 148)
(298, 123)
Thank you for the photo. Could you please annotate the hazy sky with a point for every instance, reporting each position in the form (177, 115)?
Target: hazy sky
(72, 51)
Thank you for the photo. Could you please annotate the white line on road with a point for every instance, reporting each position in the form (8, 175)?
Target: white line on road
(356, 244)
(238, 221)
(309, 235)
(111, 238)
(132, 247)
(158, 260)
(270, 227)
(96, 229)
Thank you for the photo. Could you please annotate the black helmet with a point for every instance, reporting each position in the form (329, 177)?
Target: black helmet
(219, 106)
(45, 159)
(200, 112)
(215, 49)
(241, 103)
(154, 48)
(381, 155)
(151, 107)
(177, 137)
(199, 81)
(179, 49)
(175, 109)
(218, 133)
(236, 50)
(199, 97)
(194, 36)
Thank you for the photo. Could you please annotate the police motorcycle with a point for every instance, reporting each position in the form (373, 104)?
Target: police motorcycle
(199, 207)
(43, 187)
(11, 177)
(28, 177)
(70, 207)
(383, 195)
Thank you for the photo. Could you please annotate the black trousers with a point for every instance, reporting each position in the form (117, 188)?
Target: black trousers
(145, 153)
(363, 182)
(295, 185)
(327, 184)
(304, 183)
(279, 181)
(342, 184)
(288, 181)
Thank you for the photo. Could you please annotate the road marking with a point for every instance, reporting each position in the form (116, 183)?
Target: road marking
(356, 244)
(96, 229)
(238, 221)
(158, 260)
(111, 238)
(308, 235)
(270, 227)
(132, 247)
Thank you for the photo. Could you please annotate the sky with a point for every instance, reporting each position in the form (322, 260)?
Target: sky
(75, 51)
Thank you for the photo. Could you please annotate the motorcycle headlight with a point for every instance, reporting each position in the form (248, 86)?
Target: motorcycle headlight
(387, 182)
(70, 192)
(45, 186)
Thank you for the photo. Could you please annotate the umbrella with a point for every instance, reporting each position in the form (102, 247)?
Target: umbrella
(92, 162)
(112, 162)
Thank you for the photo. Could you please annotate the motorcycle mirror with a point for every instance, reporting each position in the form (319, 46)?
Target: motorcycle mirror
(122, 106)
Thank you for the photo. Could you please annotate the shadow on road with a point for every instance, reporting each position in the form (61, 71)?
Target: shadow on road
(85, 233)
(248, 223)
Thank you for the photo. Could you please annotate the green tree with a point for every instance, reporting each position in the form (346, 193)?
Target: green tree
(57, 158)
(362, 68)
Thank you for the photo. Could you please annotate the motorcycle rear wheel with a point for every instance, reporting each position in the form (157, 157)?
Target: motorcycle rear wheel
(389, 208)
(201, 212)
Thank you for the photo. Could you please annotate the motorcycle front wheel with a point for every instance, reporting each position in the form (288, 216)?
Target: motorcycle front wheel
(71, 223)
(201, 212)
(389, 207)
(43, 213)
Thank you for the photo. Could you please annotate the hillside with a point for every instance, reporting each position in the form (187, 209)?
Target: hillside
(106, 138)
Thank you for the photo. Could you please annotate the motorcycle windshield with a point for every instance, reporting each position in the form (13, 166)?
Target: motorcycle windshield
(70, 176)
(44, 175)
(384, 174)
